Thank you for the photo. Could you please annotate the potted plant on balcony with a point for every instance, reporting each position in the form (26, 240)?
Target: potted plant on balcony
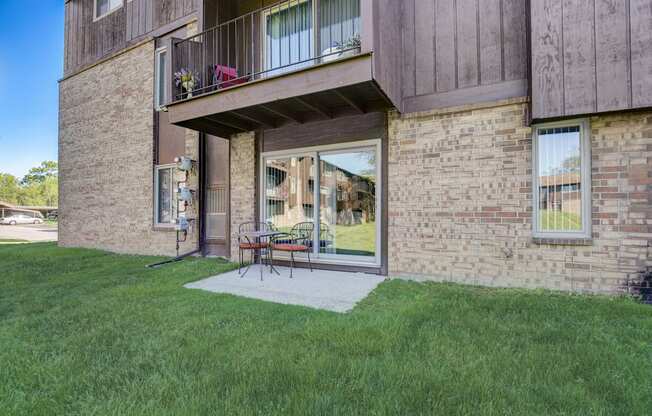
(187, 80)
(349, 47)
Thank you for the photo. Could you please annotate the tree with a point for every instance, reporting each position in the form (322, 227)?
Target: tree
(9, 188)
(50, 191)
(47, 169)
(39, 187)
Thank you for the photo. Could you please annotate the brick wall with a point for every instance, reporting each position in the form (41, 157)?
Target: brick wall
(460, 201)
(243, 184)
(105, 154)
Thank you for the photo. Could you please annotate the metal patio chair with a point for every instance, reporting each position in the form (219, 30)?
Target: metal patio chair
(298, 240)
(245, 244)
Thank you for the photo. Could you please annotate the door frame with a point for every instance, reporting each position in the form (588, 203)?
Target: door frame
(314, 151)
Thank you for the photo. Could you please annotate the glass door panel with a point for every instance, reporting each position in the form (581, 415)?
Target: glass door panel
(348, 204)
(289, 191)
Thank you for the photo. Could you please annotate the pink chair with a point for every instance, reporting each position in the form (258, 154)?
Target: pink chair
(228, 77)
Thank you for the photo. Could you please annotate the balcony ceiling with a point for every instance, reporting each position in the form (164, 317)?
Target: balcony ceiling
(321, 92)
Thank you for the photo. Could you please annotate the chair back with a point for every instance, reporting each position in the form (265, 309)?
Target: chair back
(250, 226)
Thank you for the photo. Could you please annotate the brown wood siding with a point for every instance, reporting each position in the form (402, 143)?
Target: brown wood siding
(387, 60)
(459, 51)
(590, 56)
(88, 41)
(171, 140)
(343, 130)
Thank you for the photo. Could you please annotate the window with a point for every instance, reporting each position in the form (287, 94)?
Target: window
(160, 78)
(562, 180)
(104, 7)
(164, 203)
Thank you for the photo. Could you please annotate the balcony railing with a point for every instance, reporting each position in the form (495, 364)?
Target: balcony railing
(288, 36)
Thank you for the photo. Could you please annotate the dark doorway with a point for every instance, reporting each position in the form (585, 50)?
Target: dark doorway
(217, 196)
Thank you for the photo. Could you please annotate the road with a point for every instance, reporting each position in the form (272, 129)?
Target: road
(36, 232)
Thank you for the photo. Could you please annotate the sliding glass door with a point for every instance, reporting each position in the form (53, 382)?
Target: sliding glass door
(346, 203)
(296, 33)
(289, 37)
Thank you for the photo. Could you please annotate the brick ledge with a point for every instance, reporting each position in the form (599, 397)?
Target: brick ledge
(563, 241)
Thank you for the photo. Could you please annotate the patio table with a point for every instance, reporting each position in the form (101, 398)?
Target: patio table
(258, 237)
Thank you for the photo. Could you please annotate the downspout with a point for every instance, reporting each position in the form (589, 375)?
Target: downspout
(174, 260)
(201, 186)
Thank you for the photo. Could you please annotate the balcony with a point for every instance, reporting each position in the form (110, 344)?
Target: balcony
(293, 62)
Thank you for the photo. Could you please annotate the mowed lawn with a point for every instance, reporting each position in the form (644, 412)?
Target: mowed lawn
(86, 332)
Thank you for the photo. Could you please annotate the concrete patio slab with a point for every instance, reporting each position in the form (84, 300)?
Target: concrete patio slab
(320, 289)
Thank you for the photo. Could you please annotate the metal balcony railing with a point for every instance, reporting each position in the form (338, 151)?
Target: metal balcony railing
(287, 36)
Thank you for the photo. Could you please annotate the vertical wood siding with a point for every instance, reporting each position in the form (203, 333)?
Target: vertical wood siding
(453, 50)
(87, 41)
(590, 56)
(388, 38)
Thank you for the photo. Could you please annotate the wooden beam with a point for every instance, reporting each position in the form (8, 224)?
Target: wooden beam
(350, 101)
(257, 119)
(314, 106)
(281, 113)
(212, 128)
(234, 124)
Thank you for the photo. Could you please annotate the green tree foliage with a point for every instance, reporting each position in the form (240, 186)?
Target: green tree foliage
(9, 188)
(47, 169)
(40, 187)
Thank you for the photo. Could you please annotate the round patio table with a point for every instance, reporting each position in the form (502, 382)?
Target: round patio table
(260, 237)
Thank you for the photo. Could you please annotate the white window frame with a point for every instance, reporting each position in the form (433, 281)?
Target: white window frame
(157, 73)
(96, 17)
(585, 171)
(158, 168)
(315, 152)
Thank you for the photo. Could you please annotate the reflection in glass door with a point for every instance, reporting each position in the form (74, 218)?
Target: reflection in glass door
(289, 191)
(348, 203)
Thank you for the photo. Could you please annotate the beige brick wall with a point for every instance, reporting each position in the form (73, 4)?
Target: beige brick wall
(105, 154)
(243, 184)
(460, 201)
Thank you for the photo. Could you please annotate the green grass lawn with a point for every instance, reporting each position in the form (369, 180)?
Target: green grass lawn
(86, 332)
(558, 220)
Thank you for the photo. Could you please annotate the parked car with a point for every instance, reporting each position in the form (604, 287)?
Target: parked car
(53, 215)
(20, 219)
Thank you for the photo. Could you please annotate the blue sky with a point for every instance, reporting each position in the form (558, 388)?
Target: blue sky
(31, 63)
